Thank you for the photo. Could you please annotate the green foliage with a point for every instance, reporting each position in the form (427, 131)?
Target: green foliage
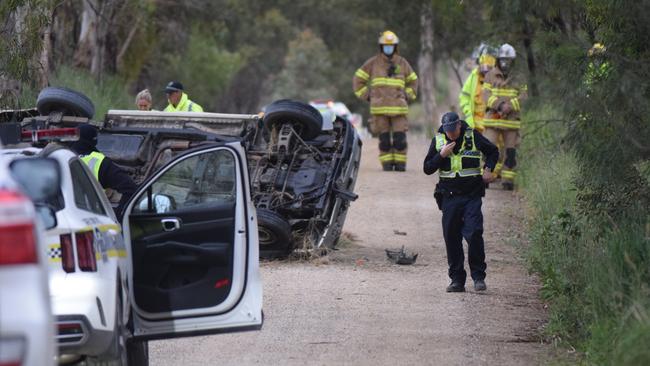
(204, 69)
(595, 270)
(306, 70)
(109, 93)
(20, 38)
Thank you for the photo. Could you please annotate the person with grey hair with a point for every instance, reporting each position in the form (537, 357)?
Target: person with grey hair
(143, 100)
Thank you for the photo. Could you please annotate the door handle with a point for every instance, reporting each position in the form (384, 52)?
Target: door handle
(170, 224)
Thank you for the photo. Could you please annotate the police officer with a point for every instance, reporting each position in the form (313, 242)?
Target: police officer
(109, 175)
(455, 153)
(178, 100)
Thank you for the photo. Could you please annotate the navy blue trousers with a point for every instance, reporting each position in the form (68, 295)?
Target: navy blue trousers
(462, 218)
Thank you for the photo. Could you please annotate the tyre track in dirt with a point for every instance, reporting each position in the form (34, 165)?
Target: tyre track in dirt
(354, 307)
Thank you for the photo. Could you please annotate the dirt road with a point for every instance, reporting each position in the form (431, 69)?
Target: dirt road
(355, 308)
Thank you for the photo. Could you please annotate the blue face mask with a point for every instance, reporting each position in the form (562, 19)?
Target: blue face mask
(388, 49)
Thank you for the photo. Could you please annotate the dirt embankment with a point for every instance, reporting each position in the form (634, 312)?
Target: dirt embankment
(354, 307)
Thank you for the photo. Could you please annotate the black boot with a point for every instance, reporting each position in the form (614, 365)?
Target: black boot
(400, 167)
(508, 186)
(456, 286)
(387, 167)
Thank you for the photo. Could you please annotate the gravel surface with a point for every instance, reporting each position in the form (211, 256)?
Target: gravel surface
(354, 307)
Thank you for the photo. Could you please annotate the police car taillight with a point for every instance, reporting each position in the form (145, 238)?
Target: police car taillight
(67, 253)
(17, 235)
(55, 134)
(86, 251)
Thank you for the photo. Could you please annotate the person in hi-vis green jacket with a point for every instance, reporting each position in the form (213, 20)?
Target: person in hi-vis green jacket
(178, 100)
(471, 96)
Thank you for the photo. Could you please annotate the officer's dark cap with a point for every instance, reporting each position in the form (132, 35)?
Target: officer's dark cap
(88, 134)
(173, 86)
(449, 121)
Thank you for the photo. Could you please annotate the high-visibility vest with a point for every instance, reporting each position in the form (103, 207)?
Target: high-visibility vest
(465, 163)
(94, 161)
(184, 105)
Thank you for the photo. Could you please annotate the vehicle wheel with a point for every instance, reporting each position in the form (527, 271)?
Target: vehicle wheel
(67, 101)
(274, 234)
(307, 119)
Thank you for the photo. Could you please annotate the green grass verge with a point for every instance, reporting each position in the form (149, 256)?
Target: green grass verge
(595, 271)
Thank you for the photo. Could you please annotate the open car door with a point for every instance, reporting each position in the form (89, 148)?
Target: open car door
(191, 234)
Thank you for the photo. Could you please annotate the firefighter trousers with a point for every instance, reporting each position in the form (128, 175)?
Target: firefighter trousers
(392, 140)
(462, 218)
(507, 153)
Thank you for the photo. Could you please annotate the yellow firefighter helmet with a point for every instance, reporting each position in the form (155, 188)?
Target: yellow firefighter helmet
(388, 37)
(597, 49)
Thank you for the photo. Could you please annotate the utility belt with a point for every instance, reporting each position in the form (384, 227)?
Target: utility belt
(441, 193)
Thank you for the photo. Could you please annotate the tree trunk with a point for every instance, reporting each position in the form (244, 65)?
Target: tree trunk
(87, 45)
(425, 64)
(530, 57)
(44, 59)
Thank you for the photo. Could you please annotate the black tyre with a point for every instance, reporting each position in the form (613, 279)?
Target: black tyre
(274, 234)
(306, 119)
(67, 101)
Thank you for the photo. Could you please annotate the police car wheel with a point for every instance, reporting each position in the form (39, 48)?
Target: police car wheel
(66, 101)
(306, 119)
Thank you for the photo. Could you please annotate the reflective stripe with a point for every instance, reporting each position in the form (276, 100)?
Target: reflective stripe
(502, 123)
(457, 159)
(411, 77)
(515, 104)
(189, 109)
(361, 92)
(497, 168)
(94, 162)
(505, 92)
(399, 158)
(389, 110)
(361, 74)
(508, 174)
(387, 82)
(411, 93)
(491, 100)
(386, 157)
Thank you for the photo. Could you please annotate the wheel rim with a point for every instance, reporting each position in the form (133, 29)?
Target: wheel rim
(266, 237)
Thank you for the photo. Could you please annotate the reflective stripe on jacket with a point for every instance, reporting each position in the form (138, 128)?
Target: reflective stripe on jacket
(94, 162)
(184, 105)
(498, 90)
(465, 163)
(388, 95)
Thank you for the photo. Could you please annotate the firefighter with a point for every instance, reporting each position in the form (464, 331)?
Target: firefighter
(388, 82)
(178, 100)
(456, 153)
(471, 97)
(109, 175)
(503, 93)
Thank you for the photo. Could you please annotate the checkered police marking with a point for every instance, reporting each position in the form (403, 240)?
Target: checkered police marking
(54, 253)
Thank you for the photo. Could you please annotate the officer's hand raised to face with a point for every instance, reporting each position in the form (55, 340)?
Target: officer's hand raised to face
(447, 149)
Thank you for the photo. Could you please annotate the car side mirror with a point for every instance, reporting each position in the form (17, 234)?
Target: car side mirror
(47, 216)
(40, 178)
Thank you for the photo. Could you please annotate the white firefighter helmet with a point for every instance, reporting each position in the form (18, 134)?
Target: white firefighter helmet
(507, 51)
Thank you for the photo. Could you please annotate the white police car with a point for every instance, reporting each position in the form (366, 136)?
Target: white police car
(26, 325)
(187, 263)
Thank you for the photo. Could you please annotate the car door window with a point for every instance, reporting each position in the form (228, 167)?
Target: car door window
(85, 195)
(201, 180)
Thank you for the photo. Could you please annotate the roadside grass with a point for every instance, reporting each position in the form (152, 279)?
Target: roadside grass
(108, 93)
(595, 271)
